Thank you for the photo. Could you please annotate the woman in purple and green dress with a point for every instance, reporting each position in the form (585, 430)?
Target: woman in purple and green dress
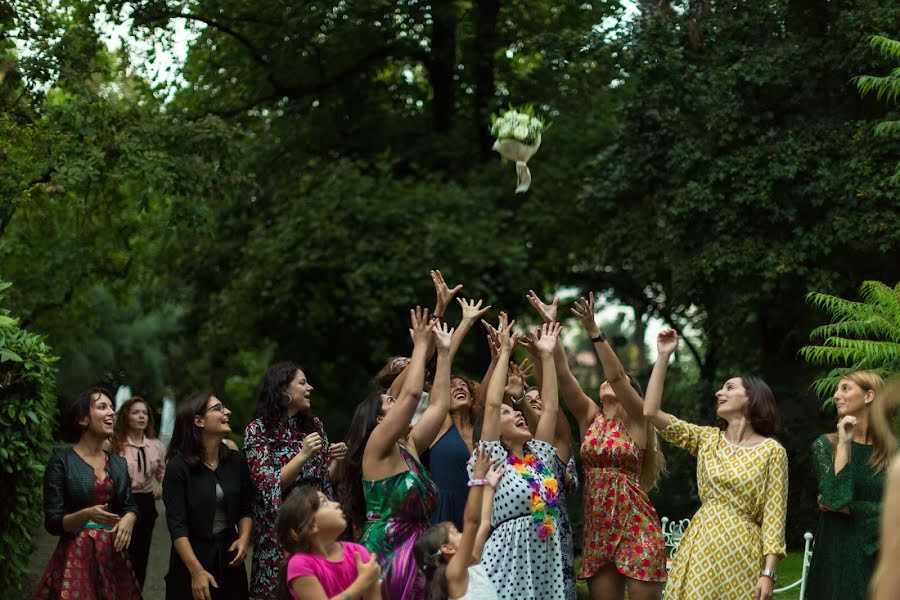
(391, 505)
(286, 447)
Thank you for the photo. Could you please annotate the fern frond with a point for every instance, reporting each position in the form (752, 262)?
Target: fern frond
(887, 129)
(886, 46)
(886, 88)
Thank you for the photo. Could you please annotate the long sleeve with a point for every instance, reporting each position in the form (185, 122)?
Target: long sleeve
(161, 466)
(265, 477)
(686, 435)
(775, 503)
(129, 505)
(175, 490)
(245, 504)
(54, 494)
(835, 491)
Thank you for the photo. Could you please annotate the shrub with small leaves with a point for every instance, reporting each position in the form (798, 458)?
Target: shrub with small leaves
(27, 410)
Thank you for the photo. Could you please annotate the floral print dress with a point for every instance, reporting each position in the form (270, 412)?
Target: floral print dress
(267, 451)
(620, 524)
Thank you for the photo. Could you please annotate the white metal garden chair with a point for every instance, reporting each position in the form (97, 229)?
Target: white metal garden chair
(673, 531)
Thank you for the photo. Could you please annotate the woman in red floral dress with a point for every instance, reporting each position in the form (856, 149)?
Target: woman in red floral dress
(623, 547)
(88, 503)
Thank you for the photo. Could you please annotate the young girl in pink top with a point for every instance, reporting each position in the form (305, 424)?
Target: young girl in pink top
(318, 566)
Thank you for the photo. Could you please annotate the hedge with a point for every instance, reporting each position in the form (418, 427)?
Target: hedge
(27, 413)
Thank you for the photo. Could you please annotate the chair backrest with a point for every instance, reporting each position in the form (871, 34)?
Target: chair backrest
(672, 532)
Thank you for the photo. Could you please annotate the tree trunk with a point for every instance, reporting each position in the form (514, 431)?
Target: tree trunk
(486, 13)
(442, 67)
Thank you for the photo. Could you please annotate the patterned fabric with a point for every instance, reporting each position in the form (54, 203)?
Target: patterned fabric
(267, 452)
(743, 491)
(518, 563)
(565, 529)
(87, 566)
(621, 526)
(846, 544)
(397, 510)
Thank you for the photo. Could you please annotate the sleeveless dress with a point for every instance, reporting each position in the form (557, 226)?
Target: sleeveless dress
(397, 510)
(87, 566)
(565, 528)
(480, 587)
(448, 459)
(521, 565)
(621, 526)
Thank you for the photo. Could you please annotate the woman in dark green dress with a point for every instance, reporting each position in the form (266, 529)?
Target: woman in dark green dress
(851, 465)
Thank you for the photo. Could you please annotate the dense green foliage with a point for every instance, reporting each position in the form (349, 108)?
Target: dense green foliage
(886, 88)
(27, 412)
(863, 335)
(709, 165)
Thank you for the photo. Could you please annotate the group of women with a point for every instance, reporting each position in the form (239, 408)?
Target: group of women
(407, 464)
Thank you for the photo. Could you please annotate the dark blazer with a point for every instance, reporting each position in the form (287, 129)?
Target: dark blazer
(190, 495)
(69, 487)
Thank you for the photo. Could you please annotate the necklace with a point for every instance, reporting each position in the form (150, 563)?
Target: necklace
(736, 446)
(543, 512)
(211, 464)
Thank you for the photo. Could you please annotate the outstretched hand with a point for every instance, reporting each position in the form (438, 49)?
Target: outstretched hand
(493, 339)
(584, 310)
(666, 341)
(508, 339)
(444, 293)
(546, 339)
(443, 336)
(471, 310)
(482, 461)
(516, 377)
(420, 322)
(547, 311)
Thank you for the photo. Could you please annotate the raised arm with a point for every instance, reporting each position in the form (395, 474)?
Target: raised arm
(425, 430)
(443, 294)
(458, 568)
(666, 343)
(471, 313)
(612, 366)
(396, 422)
(494, 345)
(490, 430)
(546, 427)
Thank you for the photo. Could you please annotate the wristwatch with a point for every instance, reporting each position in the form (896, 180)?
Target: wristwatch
(770, 574)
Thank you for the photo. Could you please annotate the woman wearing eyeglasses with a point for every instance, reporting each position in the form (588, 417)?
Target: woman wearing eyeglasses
(207, 492)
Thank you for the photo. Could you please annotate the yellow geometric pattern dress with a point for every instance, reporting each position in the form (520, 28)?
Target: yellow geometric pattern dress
(743, 491)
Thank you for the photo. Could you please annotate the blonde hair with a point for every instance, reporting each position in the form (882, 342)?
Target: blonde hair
(654, 464)
(881, 409)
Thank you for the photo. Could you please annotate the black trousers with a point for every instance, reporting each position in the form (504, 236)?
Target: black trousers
(142, 535)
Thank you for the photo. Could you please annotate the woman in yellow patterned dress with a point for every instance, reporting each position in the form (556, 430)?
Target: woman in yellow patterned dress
(736, 538)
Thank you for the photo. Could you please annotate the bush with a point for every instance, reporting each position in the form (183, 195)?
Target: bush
(27, 410)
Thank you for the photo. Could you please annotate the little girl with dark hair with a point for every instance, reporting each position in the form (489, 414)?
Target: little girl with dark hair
(450, 559)
(318, 566)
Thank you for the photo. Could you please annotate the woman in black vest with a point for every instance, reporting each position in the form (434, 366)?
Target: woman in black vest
(207, 492)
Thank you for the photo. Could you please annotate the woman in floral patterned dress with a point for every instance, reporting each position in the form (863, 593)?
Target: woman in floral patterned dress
(732, 547)
(286, 446)
(88, 504)
(623, 548)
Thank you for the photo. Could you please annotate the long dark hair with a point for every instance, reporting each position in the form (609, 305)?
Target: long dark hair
(186, 441)
(431, 561)
(350, 491)
(78, 409)
(272, 398)
(761, 410)
(120, 429)
(297, 513)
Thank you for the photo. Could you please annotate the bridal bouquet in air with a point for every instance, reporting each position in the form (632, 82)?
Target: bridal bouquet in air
(518, 133)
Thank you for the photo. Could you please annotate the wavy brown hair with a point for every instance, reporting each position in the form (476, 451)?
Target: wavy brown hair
(881, 414)
(272, 399)
(120, 429)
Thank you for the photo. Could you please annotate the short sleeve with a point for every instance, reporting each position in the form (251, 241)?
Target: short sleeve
(544, 451)
(300, 565)
(497, 453)
(686, 435)
(775, 503)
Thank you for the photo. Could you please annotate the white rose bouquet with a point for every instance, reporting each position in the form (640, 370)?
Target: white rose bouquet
(518, 133)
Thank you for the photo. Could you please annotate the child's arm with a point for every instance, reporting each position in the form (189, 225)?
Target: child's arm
(457, 572)
(487, 505)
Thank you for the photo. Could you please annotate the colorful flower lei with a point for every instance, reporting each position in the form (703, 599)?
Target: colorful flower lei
(543, 512)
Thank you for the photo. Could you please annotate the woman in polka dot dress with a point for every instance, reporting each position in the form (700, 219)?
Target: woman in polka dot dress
(522, 557)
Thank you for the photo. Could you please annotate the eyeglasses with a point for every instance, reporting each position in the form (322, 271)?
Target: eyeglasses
(214, 408)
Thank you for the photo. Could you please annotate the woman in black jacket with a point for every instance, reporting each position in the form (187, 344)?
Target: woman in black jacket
(207, 491)
(88, 503)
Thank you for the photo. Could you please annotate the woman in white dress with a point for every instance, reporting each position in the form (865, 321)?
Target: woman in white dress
(522, 557)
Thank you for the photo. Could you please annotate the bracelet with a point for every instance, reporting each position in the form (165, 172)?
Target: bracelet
(477, 482)
(599, 338)
(770, 574)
